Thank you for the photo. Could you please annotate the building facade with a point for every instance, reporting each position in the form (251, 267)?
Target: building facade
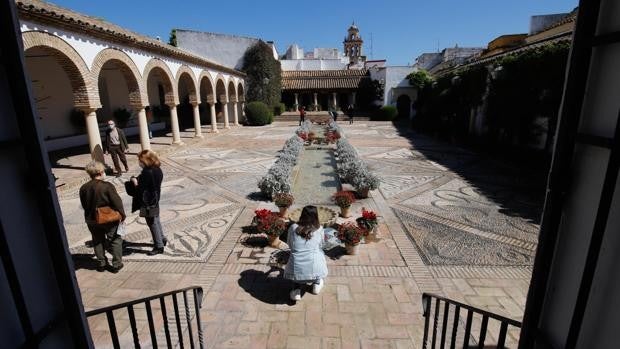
(85, 71)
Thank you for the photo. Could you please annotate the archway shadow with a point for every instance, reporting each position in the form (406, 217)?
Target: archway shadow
(265, 287)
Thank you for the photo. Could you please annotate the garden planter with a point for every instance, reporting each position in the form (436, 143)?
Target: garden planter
(274, 241)
(283, 211)
(344, 212)
(351, 249)
(363, 193)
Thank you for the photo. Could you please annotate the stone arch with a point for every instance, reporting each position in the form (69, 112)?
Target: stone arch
(206, 87)
(85, 91)
(186, 71)
(157, 66)
(133, 78)
(240, 92)
(232, 92)
(220, 89)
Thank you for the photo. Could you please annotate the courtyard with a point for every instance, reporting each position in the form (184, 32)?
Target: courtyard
(451, 222)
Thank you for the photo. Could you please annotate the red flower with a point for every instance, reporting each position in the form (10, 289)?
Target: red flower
(369, 215)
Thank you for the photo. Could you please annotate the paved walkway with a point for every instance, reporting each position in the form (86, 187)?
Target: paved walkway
(451, 222)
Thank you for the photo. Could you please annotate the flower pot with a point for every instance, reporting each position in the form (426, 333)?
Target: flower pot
(274, 241)
(351, 249)
(363, 193)
(283, 211)
(344, 212)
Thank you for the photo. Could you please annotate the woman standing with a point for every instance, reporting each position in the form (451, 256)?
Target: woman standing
(96, 194)
(307, 264)
(146, 195)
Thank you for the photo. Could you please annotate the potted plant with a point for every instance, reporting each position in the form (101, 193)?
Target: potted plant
(344, 199)
(364, 181)
(368, 220)
(283, 201)
(270, 224)
(351, 234)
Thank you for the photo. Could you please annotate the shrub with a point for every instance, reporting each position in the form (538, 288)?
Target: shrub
(363, 179)
(343, 198)
(122, 116)
(279, 108)
(264, 75)
(258, 113)
(351, 234)
(278, 178)
(385, 113)
(269, 223)
(419, 79)
(283, 199)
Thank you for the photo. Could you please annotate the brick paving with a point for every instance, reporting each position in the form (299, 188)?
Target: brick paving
(371, 300)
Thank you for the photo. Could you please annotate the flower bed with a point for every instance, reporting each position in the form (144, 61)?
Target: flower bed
(278, 178)
(352, 169)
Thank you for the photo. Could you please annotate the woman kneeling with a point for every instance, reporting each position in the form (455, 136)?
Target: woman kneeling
(307, 263)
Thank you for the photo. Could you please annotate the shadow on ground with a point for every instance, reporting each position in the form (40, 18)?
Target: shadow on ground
(515, 185)
(265, 287)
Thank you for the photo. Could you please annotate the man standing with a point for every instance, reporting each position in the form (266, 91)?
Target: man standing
(350, 112)
(116, 145)
(302, 115)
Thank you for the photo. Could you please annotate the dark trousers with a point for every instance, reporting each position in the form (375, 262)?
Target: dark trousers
(100, 234)
(116, 151)
(302, 118)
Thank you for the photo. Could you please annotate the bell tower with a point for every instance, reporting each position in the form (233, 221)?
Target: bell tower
(353, 44)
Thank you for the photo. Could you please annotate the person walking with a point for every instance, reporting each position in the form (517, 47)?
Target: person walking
(116, 145)
(302, 115)
(97, 194)
(350, 113)
(146, 192)
(306, 264)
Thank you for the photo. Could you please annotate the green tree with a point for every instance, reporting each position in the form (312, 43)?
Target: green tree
(264, 75)
(419, 78)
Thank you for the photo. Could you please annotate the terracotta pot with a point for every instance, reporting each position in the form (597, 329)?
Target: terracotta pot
(351, 249)
(283, 211)
(363, 193)
(344, 212)
(274, 241)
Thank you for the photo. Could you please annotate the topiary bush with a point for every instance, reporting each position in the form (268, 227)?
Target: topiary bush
(258, 113)
(385, 113)
(279, 108)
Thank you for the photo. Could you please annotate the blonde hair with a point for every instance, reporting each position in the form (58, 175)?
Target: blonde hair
(149, 158)
(94, 168)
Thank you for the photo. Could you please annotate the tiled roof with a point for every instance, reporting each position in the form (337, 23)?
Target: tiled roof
(571, 17)
(323, 79)
(46, 13)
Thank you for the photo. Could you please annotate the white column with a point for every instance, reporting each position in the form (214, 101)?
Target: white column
(225, 109)
(243, 110)
(94, 137)
(213, 118)
(197, 127)
(316, 102)
(145, 142)
(335, 100)
(174, 120)
(236, 112)
(296, 101)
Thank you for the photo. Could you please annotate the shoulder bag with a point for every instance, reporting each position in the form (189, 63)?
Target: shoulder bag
(105, 214)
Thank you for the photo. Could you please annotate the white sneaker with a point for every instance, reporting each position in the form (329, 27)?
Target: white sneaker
(317, 287)
(296, 294)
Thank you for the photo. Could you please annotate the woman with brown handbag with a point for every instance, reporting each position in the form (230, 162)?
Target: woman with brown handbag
(103, 212)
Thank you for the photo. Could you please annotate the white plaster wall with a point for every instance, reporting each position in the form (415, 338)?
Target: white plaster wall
(113, 93)
(53, 95)
(312, 64)
(227, 50)
(395, 78)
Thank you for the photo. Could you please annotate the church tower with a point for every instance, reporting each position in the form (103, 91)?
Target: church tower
(353, 45)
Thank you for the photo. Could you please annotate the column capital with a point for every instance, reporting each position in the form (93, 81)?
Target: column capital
(172, 105)
(89, 109)
(195, 104)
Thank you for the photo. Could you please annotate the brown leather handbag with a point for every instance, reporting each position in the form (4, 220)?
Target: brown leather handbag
(105, 214)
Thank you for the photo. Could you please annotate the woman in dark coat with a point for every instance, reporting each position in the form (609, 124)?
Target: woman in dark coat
(146, 192)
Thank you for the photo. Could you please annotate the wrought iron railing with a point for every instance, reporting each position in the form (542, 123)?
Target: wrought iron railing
(447, 324)
(175, 327)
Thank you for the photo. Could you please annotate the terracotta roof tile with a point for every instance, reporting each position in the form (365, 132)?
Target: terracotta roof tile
(323, 79)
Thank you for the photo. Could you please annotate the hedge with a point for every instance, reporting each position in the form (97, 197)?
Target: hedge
(385, 113)
(258, 113)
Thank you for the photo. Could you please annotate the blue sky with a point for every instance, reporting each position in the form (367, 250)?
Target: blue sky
(401, 29)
